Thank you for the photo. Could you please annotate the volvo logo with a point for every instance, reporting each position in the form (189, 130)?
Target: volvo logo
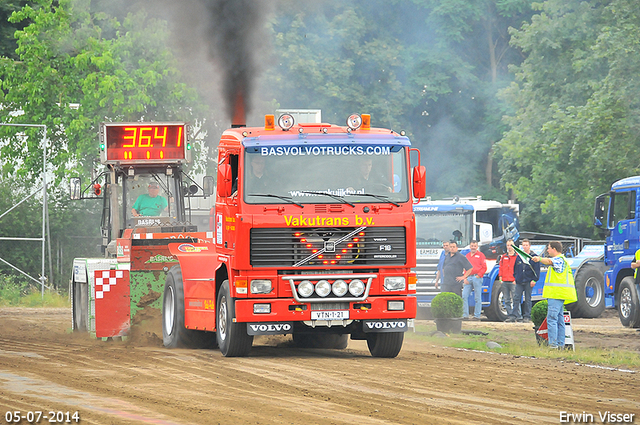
(269, 328)
(385, 325)
(329, 246)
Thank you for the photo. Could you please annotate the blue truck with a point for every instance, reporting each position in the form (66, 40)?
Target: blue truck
(616, 214)
(492, 223)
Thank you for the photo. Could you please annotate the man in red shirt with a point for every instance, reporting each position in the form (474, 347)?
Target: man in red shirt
(474, 281)
(507, 267)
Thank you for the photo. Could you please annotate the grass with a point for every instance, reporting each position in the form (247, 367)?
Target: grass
(16, 292)
(519, 342)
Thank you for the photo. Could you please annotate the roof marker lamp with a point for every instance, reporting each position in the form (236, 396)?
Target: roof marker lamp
(286, 121)
(354, 121)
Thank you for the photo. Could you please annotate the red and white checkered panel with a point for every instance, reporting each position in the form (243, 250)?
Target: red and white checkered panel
(105, 279)
(112, 303)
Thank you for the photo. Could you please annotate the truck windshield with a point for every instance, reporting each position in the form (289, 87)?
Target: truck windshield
(326, 174)
(433, 228)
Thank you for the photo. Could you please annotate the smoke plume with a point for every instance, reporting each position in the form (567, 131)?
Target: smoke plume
(235, 39)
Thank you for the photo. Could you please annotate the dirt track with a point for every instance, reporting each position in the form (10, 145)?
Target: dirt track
(44, 368)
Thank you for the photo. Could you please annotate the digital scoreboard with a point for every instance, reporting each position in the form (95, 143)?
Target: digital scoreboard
(140, 143)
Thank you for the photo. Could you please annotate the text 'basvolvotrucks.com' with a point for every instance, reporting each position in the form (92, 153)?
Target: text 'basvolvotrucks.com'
(313, 236)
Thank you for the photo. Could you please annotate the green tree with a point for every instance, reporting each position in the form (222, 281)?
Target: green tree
(574, 130)
(77, 66)
(77, 69)
(429, 67)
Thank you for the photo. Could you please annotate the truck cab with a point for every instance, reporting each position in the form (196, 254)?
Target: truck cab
(616, 214)
(314, 236)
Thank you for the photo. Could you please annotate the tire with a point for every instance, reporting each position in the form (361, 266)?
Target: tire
(174, 334)
(385, 344)
(496, 312)
(332, 341)
(590, 288)
(232, 337)
(628, 307)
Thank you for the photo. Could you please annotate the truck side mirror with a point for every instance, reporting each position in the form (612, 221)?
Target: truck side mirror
(419, 182)
(600, 208)
(75, 188)
(207, 186)
(225, 182)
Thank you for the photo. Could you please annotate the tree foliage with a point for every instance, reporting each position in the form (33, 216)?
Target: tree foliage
(575, 127)
(77, 69)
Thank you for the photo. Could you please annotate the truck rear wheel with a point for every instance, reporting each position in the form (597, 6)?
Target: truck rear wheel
(232, 337)
(628, 307)
(385, 344)
(496, 312)
(174, 334)
(590, 289)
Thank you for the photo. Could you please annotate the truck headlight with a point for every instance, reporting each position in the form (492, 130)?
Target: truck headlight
(305, 288)
(395, 283)
(261, 286)
(356, 287)
(323, 288)
(339, 287)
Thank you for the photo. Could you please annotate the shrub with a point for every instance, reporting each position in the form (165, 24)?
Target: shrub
(446, 305)
(539, 313)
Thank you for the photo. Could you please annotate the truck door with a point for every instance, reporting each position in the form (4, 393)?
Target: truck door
(622, 225)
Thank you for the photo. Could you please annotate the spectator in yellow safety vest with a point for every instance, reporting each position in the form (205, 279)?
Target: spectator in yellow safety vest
(559, 289)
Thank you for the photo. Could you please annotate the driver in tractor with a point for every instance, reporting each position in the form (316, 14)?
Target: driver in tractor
(151, 203)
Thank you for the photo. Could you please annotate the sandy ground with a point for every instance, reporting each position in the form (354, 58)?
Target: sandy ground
(45, 368)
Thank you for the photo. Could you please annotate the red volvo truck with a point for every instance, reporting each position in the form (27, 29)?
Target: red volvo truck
(313, 236)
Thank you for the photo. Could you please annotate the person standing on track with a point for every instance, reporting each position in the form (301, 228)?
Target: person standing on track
(474, 281)
(559, 289)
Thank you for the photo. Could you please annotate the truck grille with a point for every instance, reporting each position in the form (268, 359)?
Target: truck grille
(313, 247)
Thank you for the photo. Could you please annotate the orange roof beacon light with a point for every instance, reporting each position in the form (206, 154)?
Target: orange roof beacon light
(286, 121)
(366, 122)
(269, 122)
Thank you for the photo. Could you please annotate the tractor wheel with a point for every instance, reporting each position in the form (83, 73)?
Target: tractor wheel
(590, 288)
(333, 341)
(496, 312)
(232, 337)
(628, 307)
(385, 344)
(174, 334)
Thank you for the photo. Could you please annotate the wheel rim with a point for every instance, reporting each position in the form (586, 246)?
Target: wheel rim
(625, 302)
(501, 304)
(169, 310)
(596, 289)
(222, 318)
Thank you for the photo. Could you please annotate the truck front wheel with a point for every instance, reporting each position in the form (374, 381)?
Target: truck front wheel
(232, 337)
(628, 307)
(385, 344)
(590, 289)
(496, 312)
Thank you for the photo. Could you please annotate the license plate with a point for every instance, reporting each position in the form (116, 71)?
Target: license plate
(330, 315)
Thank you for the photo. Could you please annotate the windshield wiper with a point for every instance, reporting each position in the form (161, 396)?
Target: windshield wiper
(338, 197)
(284, 198)
(380, 197)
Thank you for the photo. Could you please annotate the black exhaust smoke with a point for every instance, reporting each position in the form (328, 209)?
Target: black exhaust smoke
(235, 34)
